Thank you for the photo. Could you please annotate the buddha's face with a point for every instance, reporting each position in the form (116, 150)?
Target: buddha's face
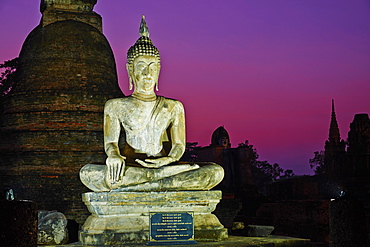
(144, 72)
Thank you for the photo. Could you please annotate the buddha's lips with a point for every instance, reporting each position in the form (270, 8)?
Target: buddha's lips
(147, 79)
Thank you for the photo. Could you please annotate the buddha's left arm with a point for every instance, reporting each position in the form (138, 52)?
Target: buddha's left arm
(177, 131)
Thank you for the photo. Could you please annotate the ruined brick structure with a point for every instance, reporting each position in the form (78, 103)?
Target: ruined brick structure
(358, 150)
(235, 161)
(51, 121)
(352, 163)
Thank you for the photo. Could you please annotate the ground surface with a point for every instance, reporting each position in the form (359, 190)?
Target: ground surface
(234, 241)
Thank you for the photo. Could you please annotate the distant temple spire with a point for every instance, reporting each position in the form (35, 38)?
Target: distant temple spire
(334, 135)
(335, 153)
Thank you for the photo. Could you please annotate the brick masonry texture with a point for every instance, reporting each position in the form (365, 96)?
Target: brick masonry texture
(51, 122)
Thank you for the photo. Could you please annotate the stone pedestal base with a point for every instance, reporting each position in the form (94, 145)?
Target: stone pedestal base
(123, 217)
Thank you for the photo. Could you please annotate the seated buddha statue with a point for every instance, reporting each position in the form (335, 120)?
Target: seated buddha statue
(153, 132)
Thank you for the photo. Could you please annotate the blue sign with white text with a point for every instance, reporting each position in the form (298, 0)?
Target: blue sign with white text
(171, 228)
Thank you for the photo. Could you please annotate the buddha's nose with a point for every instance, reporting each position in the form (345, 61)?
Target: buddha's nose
(146, 70)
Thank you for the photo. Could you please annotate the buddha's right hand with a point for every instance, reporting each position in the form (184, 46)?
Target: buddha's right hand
(116, 168)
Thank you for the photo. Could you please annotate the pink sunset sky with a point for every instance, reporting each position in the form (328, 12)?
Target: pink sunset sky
(266, 70)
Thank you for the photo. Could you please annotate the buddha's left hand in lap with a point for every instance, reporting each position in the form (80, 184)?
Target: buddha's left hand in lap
(156, 163)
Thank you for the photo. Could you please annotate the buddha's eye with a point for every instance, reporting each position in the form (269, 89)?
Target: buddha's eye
(140, 66)
(153, 66)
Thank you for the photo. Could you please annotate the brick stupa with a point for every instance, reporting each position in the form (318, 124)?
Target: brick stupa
(51, 121)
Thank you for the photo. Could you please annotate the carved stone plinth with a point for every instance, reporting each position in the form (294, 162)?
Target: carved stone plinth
(123, 217)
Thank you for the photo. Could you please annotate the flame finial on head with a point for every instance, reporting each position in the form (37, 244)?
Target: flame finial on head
(144, 45)
(144, 30)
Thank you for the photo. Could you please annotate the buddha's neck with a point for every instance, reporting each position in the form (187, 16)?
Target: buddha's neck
(144, 97)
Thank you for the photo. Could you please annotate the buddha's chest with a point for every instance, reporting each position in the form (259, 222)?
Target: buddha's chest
(145, 116)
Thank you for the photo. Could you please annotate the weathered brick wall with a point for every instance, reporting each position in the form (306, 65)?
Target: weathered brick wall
(51, 16)
(77, 10)
(243, 167)
(236, 164)
(51, 123)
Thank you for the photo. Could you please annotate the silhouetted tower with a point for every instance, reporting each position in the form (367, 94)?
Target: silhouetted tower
(359, 145)
(235, 161)
(335, 154)
(51, 122)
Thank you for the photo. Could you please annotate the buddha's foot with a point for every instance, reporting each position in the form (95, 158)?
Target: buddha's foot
(191, 177)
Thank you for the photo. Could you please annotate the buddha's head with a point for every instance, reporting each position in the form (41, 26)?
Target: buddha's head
(143, 63)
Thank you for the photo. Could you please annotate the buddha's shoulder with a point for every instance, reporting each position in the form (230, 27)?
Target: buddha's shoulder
(119, 101)
(171, 102)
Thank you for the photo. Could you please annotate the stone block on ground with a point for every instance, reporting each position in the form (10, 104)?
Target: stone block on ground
(258, 230)
(238, 226)
(52, 228)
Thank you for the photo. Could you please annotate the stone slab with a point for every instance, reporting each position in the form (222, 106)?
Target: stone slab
(122, 203)
(123, 217)
(259, 231)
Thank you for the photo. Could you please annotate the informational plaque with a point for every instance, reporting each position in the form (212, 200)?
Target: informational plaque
(171, 228)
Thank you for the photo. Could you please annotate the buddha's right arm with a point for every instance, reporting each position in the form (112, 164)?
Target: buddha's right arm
(111, 137)
(112, 129)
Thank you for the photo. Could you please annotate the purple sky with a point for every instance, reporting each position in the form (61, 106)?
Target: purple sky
(265, 69)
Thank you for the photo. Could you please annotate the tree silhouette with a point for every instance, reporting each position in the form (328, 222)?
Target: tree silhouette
(262, 171)
(191, 152)
(8, 75)
(317, 163)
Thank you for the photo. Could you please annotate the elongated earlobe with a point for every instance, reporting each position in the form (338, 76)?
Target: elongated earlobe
(130, 83)
(129, 72)
(156, 84)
